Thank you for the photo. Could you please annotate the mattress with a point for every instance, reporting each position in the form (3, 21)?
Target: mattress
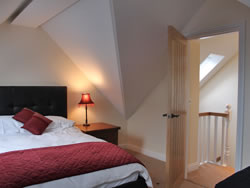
(107, 178)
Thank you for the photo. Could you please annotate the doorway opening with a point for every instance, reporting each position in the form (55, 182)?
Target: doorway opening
(214, 108)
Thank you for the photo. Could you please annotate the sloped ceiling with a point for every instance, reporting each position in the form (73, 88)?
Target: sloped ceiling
(85, 33)
(7, 7)
(142, 41)
(120, 45)
(226, 45)
(38, 12)
(245, 2)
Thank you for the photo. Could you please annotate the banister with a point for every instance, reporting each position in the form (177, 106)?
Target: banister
(225, 115)
(209, 142)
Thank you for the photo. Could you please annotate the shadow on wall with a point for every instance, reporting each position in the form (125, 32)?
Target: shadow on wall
(138, 143)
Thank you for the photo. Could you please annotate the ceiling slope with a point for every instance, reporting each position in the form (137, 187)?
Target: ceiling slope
(224, 44)
(40, 11)
(141, 27)
(7, 7)
(85, 33)
(120, 45)
(245, 2)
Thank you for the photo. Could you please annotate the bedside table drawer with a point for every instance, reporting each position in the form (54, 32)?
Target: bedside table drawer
(107, 135)
(101, 130)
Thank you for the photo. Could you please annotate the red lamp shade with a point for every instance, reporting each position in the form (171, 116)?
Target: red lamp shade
(86, 99)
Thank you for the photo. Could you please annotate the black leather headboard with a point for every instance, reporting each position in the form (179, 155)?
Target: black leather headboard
(47, 100)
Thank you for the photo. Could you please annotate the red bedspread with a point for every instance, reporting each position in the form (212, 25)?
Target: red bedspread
(27, 167)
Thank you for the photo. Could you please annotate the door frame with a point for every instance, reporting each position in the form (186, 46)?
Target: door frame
(240, 28)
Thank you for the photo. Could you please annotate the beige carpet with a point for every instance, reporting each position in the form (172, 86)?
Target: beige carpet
(208, 175)
(157, 172)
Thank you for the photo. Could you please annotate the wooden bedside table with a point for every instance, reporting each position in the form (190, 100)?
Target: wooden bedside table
(101, 130)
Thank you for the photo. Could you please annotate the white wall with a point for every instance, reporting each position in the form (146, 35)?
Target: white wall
(226, 12)
(147, 128)
(222, 90)
(141, 27)
(85, 33)
(29, 57)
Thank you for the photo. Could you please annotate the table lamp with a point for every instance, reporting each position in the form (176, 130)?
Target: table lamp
(85, 100)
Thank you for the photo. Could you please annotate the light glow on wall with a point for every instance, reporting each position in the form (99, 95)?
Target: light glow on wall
(209, 64)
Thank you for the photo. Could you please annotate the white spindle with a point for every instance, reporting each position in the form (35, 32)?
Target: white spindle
(227, 153)
(199, 141)
(223, 141)
(227, 149)
(203, 140)
(215, 137)
(208, 137)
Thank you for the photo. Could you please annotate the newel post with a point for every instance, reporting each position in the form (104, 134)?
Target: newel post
(228, 119)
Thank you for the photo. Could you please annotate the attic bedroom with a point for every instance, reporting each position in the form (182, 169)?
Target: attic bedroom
(101, 93)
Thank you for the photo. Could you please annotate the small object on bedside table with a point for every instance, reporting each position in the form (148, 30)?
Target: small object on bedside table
(85, 100)
(101, 130)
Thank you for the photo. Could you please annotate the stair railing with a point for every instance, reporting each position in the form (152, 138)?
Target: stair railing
(210, 142)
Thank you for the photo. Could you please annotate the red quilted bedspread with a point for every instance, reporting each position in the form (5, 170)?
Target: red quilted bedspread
(28, 167)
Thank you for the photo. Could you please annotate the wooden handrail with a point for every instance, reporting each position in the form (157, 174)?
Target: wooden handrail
(214, 114)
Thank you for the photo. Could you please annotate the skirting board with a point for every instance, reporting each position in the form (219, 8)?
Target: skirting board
(143, 151)
(193, 166)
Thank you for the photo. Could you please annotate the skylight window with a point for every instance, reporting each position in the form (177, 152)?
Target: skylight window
(209, 64)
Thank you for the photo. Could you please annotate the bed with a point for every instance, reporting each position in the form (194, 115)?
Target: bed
(52, 103)
(240, 179)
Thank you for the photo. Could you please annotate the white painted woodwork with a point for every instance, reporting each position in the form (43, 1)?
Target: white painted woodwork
(40, 11)
(223, 142)
(234, 18)
(176, 104)
(199, 141)
(218, 141)
(203, 140)
(227, 152)
(208, 137)
(7, 7)
(215, 138)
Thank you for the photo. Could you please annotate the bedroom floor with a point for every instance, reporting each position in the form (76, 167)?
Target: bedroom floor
(214, 172)
(156, 170)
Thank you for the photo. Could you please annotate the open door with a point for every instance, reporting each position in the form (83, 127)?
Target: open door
(176, 107)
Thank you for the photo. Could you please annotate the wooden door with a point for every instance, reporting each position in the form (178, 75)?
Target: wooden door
(176, 107)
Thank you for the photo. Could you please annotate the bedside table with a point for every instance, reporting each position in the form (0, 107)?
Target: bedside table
(101, 130)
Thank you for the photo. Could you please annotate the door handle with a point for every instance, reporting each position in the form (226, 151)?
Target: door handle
(171, 116)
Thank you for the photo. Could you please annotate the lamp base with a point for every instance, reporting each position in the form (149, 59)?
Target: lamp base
(86, 125)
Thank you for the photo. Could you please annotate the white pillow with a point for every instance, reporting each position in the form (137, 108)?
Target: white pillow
(58, 123)
(9, 126)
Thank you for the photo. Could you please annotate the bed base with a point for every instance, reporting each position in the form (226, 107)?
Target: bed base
(139, 183)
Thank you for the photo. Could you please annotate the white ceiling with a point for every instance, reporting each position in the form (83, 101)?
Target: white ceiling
(85, 33)
(7, 7)
(123, 44)
(245, 2)
(40, 11)
(142, 41)
(120, 45)
(226, 45)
